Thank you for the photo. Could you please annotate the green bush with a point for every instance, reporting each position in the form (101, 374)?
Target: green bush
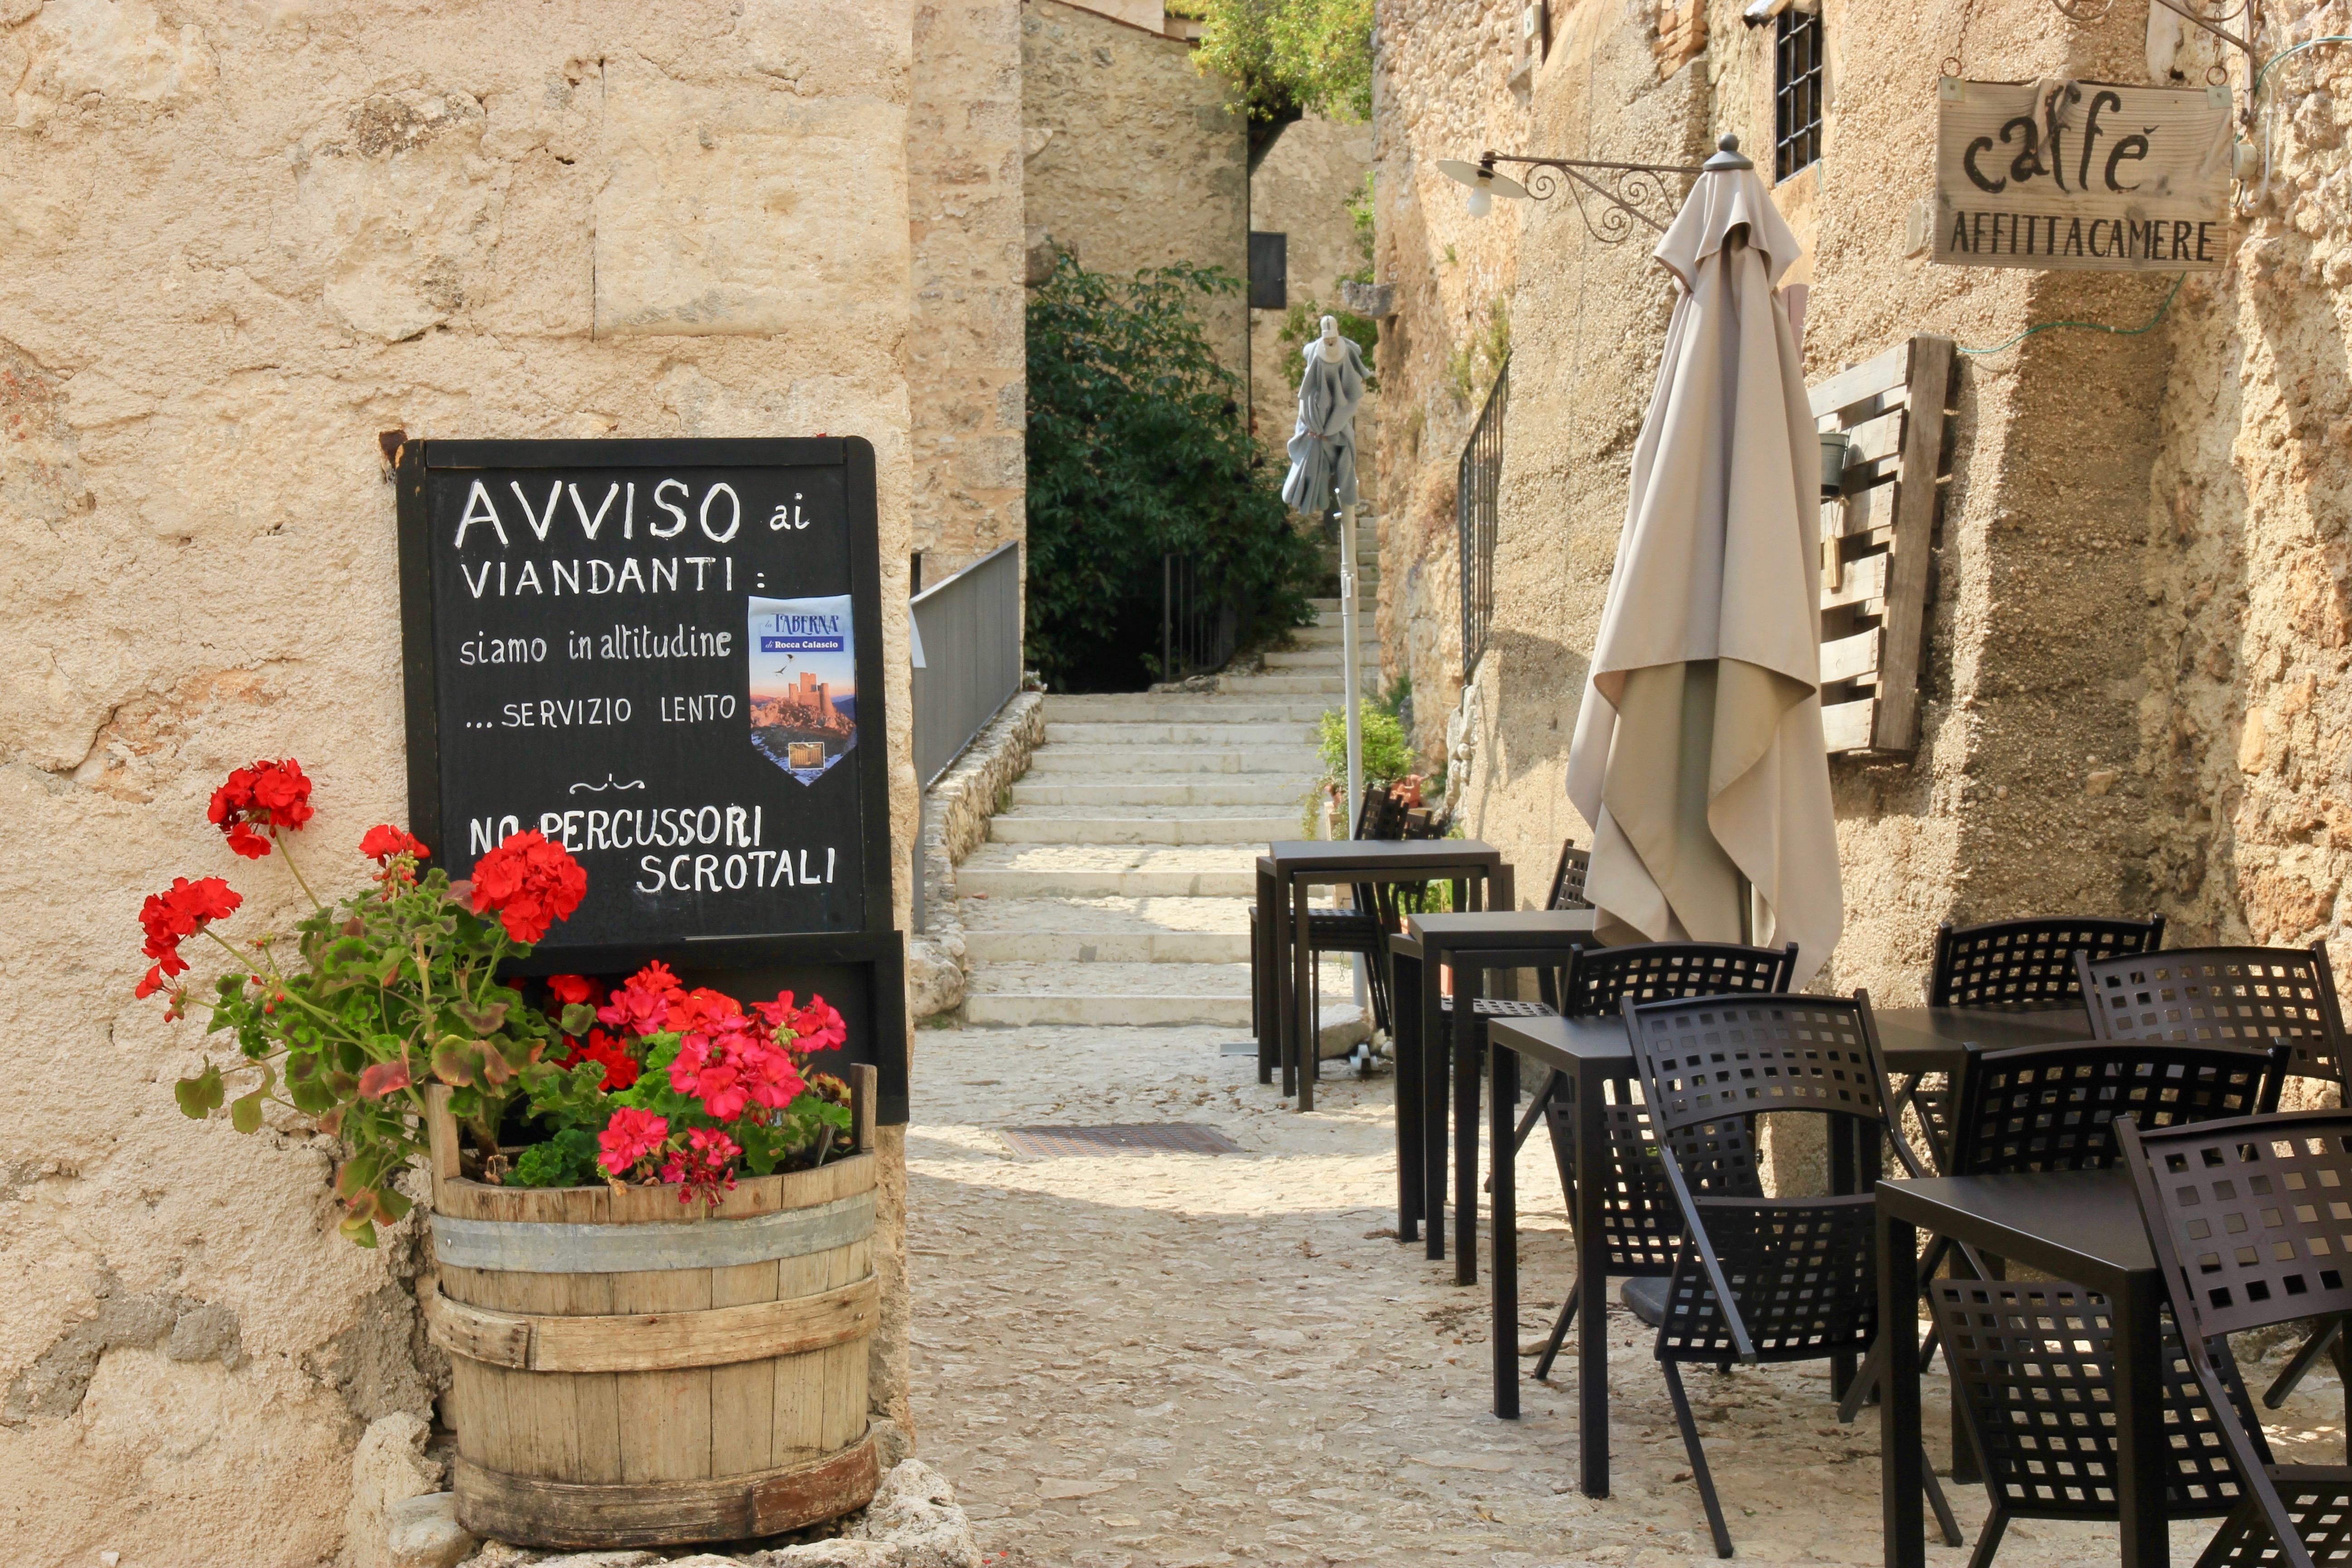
(1286, 55)
(1387, 755)
(1137, 449)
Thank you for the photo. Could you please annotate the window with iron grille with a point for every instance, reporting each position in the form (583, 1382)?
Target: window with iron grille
(1796, 91)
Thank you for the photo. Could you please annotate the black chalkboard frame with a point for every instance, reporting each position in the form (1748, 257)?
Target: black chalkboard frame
(876, 951)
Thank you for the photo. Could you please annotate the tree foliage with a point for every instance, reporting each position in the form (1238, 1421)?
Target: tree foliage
(1314, 56)
(1137, 449)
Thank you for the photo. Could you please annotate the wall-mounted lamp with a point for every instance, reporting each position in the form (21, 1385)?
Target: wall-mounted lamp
(1484, 183)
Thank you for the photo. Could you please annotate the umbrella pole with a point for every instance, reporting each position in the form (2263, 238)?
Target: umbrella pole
(1348, 694)
(1747, 912)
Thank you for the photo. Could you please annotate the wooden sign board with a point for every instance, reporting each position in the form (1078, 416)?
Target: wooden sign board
(665, 656)
(2081, 177)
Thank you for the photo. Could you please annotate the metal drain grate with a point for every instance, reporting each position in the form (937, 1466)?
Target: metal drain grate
(1156, 1138)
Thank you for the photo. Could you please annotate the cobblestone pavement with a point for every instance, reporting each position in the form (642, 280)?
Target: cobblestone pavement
(1160, 1360)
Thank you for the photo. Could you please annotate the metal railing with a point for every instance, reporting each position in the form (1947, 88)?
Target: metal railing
(1199, 622)
(967, 631)
(1476, 487)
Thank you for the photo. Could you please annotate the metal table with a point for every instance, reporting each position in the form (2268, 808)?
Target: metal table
(1472, 944)
(1282, 973)
(1593, 1052)
(2081, 1225)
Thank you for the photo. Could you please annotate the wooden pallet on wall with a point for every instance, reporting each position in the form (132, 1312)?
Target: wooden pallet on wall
(1875, 539)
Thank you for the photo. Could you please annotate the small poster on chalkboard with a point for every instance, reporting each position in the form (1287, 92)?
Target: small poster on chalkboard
(664, 656)
(803, 682)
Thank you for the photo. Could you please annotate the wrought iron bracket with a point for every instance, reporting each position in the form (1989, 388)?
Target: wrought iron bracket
(2085, 11)
(1620, 192)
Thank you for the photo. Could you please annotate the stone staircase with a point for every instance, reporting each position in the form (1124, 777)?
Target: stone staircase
(1117, 887)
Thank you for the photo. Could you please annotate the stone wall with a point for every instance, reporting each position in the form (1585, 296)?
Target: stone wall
(237, 243)
(1301, 189)
(2137, 618)
(1133, 158)
(956, 812)
(965, 362)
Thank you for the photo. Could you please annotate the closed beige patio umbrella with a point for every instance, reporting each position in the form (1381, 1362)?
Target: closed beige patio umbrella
(1698, 756)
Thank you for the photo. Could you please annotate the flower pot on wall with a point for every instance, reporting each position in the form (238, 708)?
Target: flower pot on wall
(624, 1375)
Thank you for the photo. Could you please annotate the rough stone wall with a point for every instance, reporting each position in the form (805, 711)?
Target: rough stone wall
(1133, 158)
(237, 243)
(964, 357)
(2031, 695)
(1301, 189)
(2246, 719)
(1439, 90)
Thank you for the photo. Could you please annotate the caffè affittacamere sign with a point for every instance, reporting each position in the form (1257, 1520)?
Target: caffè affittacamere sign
(2081, 177)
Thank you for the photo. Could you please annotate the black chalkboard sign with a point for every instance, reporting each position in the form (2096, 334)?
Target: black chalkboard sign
(668, 657)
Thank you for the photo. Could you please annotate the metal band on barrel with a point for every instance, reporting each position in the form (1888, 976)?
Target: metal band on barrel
(514, 1248)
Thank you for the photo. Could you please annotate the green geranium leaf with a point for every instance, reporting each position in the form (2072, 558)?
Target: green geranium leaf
(199, 1096)
(245, 1113)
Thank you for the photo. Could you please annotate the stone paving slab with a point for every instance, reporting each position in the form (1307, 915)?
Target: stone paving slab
(1169, 1359)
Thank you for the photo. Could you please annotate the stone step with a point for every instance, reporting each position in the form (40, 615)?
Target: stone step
(1097, 871)
(1078, 764)
(1110, 916)
(1191, 733)
(1180, 706)
(1113, 993)
(1105, 947)
(1297, 683)
(1254, 790)
(1172, 825)
(1316, 660)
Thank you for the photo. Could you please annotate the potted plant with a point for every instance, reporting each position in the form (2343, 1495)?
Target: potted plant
(652, 1223)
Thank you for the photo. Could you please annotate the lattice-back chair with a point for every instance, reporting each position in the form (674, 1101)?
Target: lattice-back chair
(1760, 1280)
(2053, 1108)
(2028, 965)
(1638, 1218)
(2033, 1371)
(2233, 995)
(2249, 1222)
(2012, 966)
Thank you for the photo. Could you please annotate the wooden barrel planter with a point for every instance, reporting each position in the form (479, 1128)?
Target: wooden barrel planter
(623, 1376)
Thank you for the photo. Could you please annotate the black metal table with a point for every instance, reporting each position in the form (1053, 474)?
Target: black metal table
(1472, 943)
(1593, 1052)
(2081, 1225)
(1282, 973)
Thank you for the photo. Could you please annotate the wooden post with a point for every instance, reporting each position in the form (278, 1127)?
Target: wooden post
(864, 1093)
(441, 1133)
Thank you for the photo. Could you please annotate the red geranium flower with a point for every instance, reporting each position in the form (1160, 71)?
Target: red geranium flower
(530, 883)
(636, 1009)
(819, 1026)
(621, 1068)
(628, 1137)
(384, 841)
(172, 916)
(570, 988)
(705, 1168)
(266, 794)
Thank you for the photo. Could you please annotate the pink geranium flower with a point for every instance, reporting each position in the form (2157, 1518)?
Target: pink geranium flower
(630, 1136)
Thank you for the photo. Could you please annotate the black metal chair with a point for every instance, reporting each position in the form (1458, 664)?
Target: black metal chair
(1639, 1223)
(2238, 1217)
(2054, 1108)
(2012, 966)
(2032, 1364)
(2028, 965)
(2246, 996)
(1760, 1280)
(1361, 928)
